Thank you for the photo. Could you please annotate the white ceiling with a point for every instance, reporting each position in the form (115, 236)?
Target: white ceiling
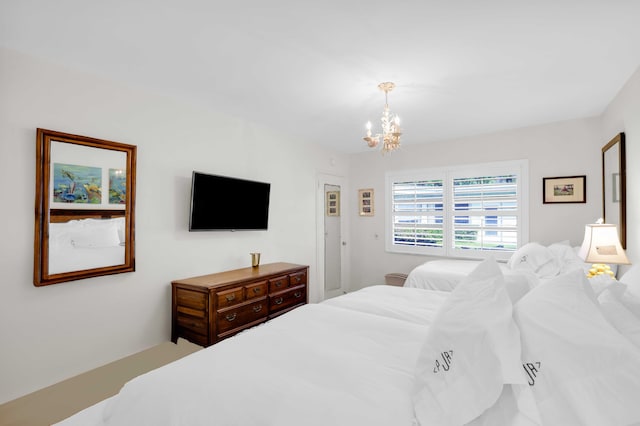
(462, 67)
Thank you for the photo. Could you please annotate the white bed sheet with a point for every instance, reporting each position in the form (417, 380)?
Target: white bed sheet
(446, 274)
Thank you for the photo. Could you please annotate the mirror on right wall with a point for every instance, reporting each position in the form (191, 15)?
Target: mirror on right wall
(614, 185)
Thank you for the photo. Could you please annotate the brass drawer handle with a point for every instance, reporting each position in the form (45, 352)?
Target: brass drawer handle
(257, 308)
(256, 290)
(278, 283)
(231, 317)
(298, 279)
(231, 297)
(297, 294)
(279, 301)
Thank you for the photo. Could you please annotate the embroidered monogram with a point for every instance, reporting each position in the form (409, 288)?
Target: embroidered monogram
(532, 369)
(444, 362)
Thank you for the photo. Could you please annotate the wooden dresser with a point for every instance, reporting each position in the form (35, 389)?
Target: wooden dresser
(210, 308)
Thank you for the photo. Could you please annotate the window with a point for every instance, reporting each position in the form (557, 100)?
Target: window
(469, 211)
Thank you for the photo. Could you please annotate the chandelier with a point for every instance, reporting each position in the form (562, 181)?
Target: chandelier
(390, 127)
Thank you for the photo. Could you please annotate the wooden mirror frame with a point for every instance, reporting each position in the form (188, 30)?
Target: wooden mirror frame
(614, 188)
(44, 214)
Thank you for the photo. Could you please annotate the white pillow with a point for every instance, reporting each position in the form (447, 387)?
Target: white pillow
(619, 315)
(631, 302)
(600, 283)
(632, 279)
(60, 236)
(120, 224)
(566, 257)
(86, 233)
(518, 283)
(536, 258)
(586, 372)
(97, 236)
(472, 349)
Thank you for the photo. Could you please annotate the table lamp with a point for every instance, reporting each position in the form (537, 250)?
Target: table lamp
(601, 246)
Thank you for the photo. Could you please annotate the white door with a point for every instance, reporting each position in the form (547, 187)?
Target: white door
(331, 244)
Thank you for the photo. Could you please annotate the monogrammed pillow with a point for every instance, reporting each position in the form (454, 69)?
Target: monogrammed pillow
(582, 370)
(536, 258)
(472, 349)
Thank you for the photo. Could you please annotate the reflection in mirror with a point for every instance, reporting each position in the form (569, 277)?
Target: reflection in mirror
(614, 185)
(85, 198)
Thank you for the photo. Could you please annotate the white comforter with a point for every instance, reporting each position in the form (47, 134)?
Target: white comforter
(409, 304)
(317, 365)
(352, 361)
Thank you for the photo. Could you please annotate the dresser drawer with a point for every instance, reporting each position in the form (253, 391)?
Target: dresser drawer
(230, 297)
(238, 316)
(278, 284)
(298, 278)
(255, 290)
(286, 299)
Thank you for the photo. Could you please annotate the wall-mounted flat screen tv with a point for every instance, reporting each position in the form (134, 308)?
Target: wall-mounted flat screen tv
(223, 203)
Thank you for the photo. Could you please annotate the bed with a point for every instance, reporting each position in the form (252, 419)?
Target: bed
(446, 274)
(85, 239)
(399, 356)
(530, 265)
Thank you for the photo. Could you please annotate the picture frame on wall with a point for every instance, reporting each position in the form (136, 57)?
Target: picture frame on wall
(333, 203)
(564, 189)
(365, 202)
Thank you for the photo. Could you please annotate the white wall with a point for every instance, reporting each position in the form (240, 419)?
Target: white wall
(623, 115)
(560, 149)
(51, 333)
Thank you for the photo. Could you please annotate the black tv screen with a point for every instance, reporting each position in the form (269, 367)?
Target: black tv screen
(222, 203)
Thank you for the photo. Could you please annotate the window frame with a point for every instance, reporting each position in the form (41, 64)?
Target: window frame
(518, 167)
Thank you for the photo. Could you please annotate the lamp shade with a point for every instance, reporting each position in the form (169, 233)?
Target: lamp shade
(602, 245)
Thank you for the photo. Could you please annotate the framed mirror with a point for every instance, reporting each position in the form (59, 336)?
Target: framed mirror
(85, 205)
(614, 186)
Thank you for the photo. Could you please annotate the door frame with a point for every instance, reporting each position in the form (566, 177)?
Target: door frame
(340, 181)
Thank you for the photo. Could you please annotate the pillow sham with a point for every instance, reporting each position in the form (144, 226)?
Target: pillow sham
(565, 255)
(567, 258)
(631, 302)
(619, 315)
(86, 233)
(632, 279)
(600, 283)
(581, 370)
(471, 350)
(96, 236)
(60, 236)
(536, 258)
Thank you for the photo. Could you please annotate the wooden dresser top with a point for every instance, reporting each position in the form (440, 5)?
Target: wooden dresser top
(240, 275)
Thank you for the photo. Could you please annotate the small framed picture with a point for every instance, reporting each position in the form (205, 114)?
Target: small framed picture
(333, 203)
(365, 202)
(564, 189)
